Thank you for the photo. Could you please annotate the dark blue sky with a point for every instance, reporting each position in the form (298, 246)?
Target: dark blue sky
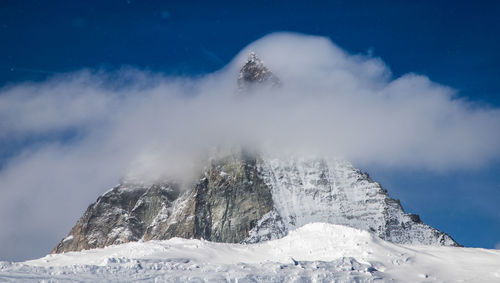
(454, 43)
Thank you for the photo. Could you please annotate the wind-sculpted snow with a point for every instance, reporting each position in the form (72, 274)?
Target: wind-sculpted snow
(315, 252)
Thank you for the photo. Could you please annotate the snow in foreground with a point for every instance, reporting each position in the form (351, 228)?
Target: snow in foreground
(315, 252)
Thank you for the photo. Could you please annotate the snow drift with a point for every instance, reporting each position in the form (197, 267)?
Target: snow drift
(316, 251)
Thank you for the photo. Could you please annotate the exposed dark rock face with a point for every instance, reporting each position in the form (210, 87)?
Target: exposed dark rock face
(223, 206)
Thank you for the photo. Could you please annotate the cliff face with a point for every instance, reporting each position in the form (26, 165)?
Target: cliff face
(223, 206)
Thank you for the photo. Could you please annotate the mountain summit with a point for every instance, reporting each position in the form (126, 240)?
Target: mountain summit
(254, 72)
(243, 197)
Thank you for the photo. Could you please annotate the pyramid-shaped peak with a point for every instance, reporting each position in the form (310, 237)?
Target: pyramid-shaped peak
(255, 72)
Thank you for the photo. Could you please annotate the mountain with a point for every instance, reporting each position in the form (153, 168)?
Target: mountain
(315, 252)
(246, 197)
(243, 198)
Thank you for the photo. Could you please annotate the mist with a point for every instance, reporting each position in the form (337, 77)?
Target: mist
(81, 132)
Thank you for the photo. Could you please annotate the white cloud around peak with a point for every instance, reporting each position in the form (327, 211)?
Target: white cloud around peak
(134, 123)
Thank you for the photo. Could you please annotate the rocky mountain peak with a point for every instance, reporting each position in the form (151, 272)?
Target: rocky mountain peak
(254, 72)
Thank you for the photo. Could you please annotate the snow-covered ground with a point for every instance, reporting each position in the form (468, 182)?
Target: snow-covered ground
(314, 252)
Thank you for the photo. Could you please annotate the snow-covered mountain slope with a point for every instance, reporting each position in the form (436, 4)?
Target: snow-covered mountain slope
(314, 252)
(315, 190)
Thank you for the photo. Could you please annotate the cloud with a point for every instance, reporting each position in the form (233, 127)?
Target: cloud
(147, 126)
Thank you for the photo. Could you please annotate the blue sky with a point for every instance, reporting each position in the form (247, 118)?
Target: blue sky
(453, 43)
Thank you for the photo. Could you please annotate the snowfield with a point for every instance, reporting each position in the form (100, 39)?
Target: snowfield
(316, 252)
